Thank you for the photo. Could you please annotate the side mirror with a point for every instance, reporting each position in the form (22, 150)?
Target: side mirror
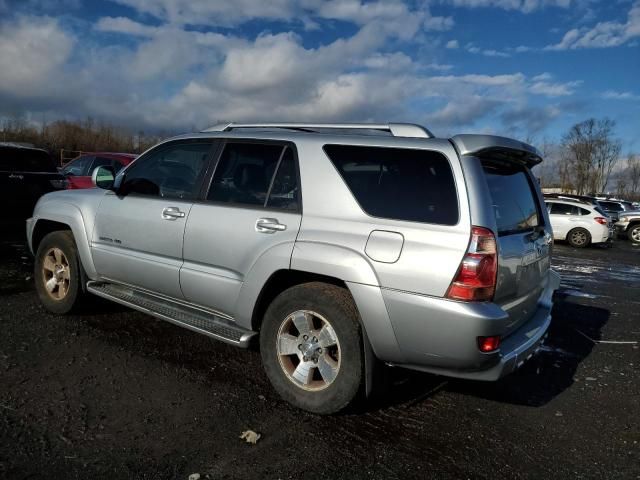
(103, 177)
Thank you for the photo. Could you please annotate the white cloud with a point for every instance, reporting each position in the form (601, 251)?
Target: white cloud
(471, 48)
(543, 85)
(452, 44)
(603, 34)
(32, 52)
(614, 95)
(524, 6)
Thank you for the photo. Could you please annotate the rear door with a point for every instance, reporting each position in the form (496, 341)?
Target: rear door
(251, 212)
(523, 239)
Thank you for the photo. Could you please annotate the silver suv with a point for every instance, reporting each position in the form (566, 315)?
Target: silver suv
(339, 246)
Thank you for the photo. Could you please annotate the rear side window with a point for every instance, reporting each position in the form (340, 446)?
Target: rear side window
(398, 183)
(514, 202)
(262, 175)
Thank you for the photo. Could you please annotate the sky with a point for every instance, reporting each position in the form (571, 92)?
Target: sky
(521, 68)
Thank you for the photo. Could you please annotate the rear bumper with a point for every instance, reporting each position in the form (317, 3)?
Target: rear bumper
(440, 336)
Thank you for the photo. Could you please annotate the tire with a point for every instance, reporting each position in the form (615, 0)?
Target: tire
(579, 237)
(57, 273)
(321, 377)
(633, 232)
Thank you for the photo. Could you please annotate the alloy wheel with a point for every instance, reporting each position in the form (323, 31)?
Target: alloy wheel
(308, 350)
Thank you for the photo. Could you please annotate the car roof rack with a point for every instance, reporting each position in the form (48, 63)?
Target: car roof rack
(395, 129)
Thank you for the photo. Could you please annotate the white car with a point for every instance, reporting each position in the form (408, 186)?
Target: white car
(578, 223)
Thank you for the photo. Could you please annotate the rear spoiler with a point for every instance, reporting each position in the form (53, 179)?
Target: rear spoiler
(499, 148)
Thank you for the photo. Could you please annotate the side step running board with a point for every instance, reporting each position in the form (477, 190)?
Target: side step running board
(194, 319)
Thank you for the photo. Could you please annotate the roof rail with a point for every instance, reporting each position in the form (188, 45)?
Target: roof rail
(396, 129)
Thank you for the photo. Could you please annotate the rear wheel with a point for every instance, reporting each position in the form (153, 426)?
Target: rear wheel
(634, 233)
(57, 272)
(579, 237)
(311, 347)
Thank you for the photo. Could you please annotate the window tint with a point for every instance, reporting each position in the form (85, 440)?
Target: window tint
(244, 173)
(172, 171)
(564, 209)
(25, 160)
(402, 184)
(78, 167)
(284, 190)
(514, 202)
(611, 206)
(584, 211)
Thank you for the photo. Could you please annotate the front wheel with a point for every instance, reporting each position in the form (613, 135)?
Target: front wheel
(57, 272)
(634, 233)
(579, 238)
(311, 347)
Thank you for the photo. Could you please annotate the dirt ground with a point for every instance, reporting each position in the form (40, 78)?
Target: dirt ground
(115, 394)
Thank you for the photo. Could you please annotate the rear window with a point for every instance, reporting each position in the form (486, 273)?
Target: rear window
(25, 160)
(612, 206)
(514, 202)
(398, 183)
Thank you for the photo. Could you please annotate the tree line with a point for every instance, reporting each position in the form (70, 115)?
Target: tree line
(76, 136)
(588, 159)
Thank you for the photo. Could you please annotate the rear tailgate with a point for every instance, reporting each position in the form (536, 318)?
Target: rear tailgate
(523, 236)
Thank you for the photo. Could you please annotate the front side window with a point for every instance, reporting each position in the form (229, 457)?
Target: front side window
(262, 175)
(398, 183)
(79, 166)
(172, 171)
(101, 162)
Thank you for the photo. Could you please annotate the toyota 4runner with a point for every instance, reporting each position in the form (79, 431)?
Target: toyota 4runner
(336, 246)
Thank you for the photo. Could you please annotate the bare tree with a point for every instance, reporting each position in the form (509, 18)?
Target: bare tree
(633, 174)
(589, 153)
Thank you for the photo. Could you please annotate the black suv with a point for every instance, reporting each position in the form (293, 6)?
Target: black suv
(26, 173)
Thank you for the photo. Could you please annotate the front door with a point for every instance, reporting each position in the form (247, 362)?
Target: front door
(139, 229)
(251, 213)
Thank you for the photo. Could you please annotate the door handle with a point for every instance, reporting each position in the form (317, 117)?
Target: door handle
(269, 225)
(172, 213)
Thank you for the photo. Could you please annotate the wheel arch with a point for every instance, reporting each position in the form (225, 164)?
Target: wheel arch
(60, 217)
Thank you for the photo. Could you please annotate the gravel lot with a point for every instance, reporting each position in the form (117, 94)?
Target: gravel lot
(115, 394)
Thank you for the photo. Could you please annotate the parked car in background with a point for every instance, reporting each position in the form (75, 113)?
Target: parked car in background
(614, 208)
(78, 171)
(427, 253)
(26, 173)
(578, 223)
(629, 225)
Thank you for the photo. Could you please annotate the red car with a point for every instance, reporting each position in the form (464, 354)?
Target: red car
(78, 171)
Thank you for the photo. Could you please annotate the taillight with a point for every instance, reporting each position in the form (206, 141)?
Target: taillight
(476, 277)
(601, 220)
(488, 344)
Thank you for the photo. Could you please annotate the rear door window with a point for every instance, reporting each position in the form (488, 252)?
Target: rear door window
(398, 183)
(262, 175)
(564, 209)
(514, 201)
